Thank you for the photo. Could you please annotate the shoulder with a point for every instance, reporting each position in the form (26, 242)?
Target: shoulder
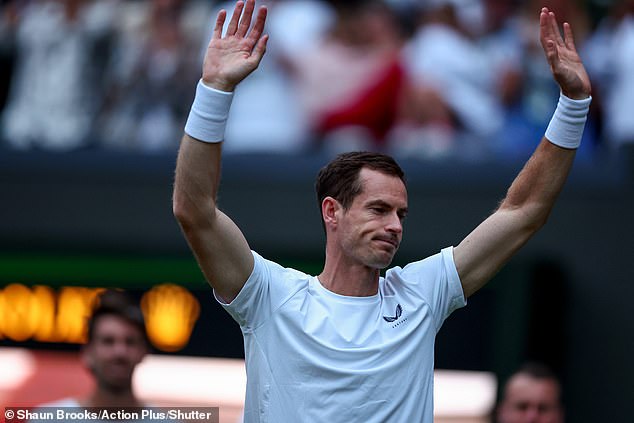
(268, 287)
(422, 269)
(426, 277)
(64, 402)
(271, 268)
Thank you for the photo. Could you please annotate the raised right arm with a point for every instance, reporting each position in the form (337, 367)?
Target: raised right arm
(220, 248)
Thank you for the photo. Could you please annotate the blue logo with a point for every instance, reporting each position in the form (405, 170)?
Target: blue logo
(397, 314)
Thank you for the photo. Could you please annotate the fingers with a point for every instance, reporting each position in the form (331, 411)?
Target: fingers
(554, 28)
(245, 22)
(569, 39)
(220, 21)
(241, 21)
(548, 27)
(544, 28)
(233, 24)
(258, 26)
(259, 50)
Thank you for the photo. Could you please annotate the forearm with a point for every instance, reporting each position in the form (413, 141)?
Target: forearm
(198, 165)
(523, 212)
(537, 186)
(196, 181)
(525, 208)
(221, 250)
(535, 190)
(532, 194)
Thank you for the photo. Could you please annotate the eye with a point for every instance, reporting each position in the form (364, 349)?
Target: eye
(522, 406)
(133, 341)
(107, 340)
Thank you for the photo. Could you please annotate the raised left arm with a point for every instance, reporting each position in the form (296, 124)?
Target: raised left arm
(532, 194)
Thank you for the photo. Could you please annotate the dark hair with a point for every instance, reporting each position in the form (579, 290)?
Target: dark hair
(117, 303)
(534, 370)
(339, 179)
(537, 370)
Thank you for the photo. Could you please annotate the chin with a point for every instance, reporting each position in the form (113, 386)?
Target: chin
(381, 263)
(119, 385)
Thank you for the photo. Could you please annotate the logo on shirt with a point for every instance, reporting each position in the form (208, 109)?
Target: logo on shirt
(397, 314)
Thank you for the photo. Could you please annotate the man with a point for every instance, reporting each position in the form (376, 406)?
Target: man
(116, 344)
(350, 345)
(531, 395)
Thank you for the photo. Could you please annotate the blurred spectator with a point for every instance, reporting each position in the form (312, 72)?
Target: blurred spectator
(502, 43)
(155, 64)
(610, 60)
(526, 86)
(444, 55)
(273, 120)
(60, 46)
(470, 79)
(531, 395)
(350, 82)
(116, 344)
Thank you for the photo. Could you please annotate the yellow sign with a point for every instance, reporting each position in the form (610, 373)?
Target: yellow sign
(170, 313)
(42, 314)
(39, 313)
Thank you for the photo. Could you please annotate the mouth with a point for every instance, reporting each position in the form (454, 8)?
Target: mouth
(388, 241)
(119, 367)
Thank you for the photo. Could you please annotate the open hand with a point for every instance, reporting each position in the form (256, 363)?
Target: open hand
(562, 57)
(232, 58)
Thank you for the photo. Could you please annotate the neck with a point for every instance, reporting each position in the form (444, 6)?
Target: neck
(103, 397)
(354, 280)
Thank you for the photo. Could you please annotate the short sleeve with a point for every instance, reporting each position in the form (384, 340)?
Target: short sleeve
(435, 279)
(267, 288)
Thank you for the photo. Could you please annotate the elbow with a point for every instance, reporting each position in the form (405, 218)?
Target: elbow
(192, 215)
(181, 212)
(535, 223)
(536, 216)
(532, 216)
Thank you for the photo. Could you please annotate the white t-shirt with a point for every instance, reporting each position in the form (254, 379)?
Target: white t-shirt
(313, 355)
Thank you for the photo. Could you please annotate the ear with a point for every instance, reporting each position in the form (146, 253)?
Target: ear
(86, 357)
(330, 211)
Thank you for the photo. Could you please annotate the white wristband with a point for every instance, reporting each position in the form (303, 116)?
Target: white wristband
(208, 115)
(566, 126)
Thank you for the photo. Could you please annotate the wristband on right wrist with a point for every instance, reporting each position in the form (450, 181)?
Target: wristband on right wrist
(566, 126)
(208, 115)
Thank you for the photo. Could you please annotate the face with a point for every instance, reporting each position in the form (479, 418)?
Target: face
(530, 400)
(371, 230)
(113, 353)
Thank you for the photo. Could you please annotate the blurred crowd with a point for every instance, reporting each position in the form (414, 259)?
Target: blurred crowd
(418, 78)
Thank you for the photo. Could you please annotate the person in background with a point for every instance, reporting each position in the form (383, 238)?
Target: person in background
(268, 115)
(116, 344)
(464, 82)
(150, 77)
(60, 47)
(531, 395)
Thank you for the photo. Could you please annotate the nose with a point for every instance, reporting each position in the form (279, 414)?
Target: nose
(394, 223)
(121, 349)
(531, 415)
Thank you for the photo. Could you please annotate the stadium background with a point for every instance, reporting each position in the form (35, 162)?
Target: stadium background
(98, 218)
